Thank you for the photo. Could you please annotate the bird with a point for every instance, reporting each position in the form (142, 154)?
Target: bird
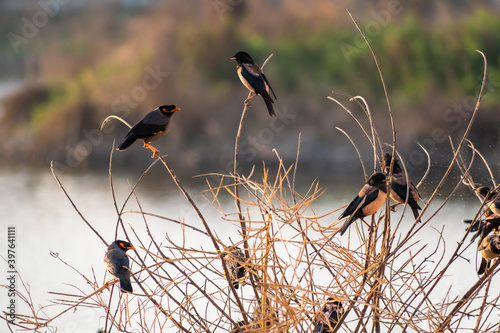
(399, 186)
(492, 199)
(490, 249)
(330, 315)
(150, 128)
(117, 263)
(254, 79)
(367, 202)
(483, 227)
(235, 258)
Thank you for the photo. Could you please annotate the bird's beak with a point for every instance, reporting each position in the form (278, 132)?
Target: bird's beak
(231, 58)
(131, 248)
(176, 109)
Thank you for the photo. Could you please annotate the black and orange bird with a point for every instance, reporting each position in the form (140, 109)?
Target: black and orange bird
(490, 249)
(117, 263)
(329, 317)
(492, 199)
(367, 202)
(254, 79)
(399, 186)
(235, 258)
(150, 128)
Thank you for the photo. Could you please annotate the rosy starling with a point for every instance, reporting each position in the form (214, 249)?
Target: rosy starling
(399, 186)
(367, 202)
(254, 79)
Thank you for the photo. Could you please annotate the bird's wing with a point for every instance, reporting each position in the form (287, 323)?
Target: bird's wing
(352, 207)
(269, 85)
(414, 192)
(253, 75)
(144, 130)
(496, 204)
(367, 194)
(483, 266)
(115, 262)
(155, 117)
(399, 187)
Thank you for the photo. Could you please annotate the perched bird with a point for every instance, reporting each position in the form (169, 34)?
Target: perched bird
(117, 263)
(254, 79)
(490, 249)
(329, 317)
(484, 227)
(150, 128)
(367, 202)
(492, 199)
(399, 186)
(239, 327)
(235, 259)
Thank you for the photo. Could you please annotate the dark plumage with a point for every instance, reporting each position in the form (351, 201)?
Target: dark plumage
(235, 258)
(254, 79)
(367, 202)
(329, 317)
(399, 187)
(492, 199)
(490, 249)
(484, 227)
(150, 128)
(117, 263)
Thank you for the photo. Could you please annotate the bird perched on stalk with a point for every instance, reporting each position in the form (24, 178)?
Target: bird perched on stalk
(235, 258)
(254, 79)
(401, 185)
(367, 202)
(117, 263)
(483, 227)
(150, 128)
(329, 317)
(490, 249)
(492, 199)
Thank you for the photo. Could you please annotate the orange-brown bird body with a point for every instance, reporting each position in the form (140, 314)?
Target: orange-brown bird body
(371, 197)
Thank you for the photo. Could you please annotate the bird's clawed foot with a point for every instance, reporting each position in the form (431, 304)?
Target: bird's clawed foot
(156, 152)
(247, 101)
(393, 207)
(108, 283)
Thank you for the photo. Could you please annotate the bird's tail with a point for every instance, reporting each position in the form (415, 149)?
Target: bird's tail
(483, 266)
(415, 211)
(125, 144)
(126, 285)
(345, 226)
(270, 108)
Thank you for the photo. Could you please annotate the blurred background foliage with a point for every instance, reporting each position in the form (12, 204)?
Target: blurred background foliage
(91, 58)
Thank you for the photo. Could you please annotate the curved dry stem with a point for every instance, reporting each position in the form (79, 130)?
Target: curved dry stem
(424, 177)
(108, 119)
